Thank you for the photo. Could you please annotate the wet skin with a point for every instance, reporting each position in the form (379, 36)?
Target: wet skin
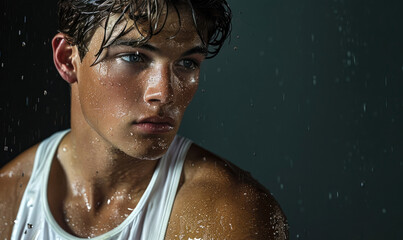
(126, 110)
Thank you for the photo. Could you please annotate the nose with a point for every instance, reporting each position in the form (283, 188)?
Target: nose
(159, 85)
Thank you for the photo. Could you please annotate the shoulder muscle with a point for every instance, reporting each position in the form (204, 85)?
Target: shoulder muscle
(220, 201)
(14, 178)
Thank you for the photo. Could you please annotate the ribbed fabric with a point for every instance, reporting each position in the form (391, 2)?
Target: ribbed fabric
(148, 221)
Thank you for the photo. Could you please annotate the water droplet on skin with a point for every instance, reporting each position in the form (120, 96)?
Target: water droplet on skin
(64, 149)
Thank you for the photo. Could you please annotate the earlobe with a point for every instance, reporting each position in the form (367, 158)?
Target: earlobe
(63, 55)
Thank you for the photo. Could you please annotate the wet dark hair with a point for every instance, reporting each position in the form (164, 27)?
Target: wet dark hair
(79, 19)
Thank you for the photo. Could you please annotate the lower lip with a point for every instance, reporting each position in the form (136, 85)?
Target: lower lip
(154, 128)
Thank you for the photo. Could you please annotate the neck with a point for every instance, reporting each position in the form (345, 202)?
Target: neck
(99, 175)
(92, 161)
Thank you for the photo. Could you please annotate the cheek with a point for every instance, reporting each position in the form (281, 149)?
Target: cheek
(104, 93)
(186, 90)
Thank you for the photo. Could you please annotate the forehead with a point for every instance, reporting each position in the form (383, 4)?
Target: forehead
(174, 26)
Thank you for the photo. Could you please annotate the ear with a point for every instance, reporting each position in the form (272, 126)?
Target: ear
(63, 56)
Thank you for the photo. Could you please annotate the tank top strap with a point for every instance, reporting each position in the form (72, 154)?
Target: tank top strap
(167, 186)
(46, 151)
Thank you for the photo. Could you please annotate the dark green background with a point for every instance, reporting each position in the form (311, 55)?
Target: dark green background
(307, 96)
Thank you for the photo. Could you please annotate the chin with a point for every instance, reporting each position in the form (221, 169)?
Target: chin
(149, 149)
(150, 155)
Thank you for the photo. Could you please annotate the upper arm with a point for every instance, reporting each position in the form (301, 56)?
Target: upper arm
(14, 178)
(253, 213)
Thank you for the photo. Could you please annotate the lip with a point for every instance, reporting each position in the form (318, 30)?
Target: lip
(155, 124)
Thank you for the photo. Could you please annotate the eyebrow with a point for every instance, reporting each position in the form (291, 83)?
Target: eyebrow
(132, 43)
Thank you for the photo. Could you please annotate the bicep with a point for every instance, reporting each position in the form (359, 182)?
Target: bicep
(256, 215)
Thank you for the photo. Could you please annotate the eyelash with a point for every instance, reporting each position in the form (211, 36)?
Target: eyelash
(127, 58)
(142, 58)
(194, 66)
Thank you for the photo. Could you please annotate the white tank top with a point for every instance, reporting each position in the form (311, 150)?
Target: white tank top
(148, 221)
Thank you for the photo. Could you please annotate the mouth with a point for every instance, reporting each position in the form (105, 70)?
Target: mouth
(155, 124)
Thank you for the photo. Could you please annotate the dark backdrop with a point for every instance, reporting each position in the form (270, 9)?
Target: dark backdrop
(307, 96)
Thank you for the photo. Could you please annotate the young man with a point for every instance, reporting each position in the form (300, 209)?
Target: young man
(121, 172)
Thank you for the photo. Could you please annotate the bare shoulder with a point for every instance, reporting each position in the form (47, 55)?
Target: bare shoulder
(218, 200)
(14, 178)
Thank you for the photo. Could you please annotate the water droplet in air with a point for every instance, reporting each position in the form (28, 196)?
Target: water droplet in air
(23, 44)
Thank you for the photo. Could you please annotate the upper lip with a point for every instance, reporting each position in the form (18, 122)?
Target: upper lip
(157, 119)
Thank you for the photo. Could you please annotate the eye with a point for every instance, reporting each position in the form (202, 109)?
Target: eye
(188, 64)
(133, 58)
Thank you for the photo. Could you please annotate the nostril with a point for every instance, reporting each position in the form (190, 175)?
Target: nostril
(154, 97)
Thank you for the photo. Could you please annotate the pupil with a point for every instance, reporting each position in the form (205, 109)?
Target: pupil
(134, 58)
(188, 64)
